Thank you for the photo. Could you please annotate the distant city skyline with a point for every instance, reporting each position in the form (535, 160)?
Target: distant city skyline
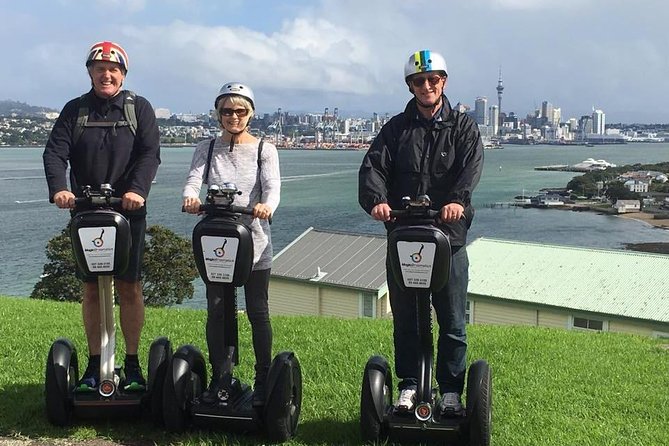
(303, 55)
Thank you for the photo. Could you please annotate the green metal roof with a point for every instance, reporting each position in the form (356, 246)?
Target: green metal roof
(614, 282)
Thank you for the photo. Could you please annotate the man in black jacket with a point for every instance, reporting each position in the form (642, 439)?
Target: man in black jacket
(429, 149)
(108, 135)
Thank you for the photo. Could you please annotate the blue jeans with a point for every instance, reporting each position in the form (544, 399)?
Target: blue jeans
(449, 305)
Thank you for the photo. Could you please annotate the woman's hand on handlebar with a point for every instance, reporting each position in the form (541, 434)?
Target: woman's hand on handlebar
(451, 212)
(381, 212)
(262, 211)
(192, 205)
(64, 199)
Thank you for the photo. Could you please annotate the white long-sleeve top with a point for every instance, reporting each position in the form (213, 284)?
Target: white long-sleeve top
(241, 167)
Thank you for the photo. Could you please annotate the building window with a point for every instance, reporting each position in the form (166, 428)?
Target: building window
(588, 324)
(469, 312)
(368, 305)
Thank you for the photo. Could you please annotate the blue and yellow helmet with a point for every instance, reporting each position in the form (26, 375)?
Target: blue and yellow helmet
(423, 61)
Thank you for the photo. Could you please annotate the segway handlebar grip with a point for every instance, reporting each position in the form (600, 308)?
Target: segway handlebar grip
(97, 202)
(211, 208)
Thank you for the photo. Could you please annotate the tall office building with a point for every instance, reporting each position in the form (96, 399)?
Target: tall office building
(494, 120)
(547, 111)
(481, 110)
(598, 122)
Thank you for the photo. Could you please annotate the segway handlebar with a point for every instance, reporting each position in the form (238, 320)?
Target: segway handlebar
(417, 211)
(101, 198)
(219, 201)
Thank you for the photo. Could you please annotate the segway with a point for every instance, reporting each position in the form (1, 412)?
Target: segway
(101, 244)
(420, 260)
(223, 250)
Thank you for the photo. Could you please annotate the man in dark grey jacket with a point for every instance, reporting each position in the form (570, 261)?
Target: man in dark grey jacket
(429, 149)
(108, 135)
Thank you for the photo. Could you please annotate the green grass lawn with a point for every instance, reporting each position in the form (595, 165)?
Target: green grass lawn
(550, 387)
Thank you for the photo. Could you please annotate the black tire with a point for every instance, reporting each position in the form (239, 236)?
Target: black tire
(184, 381)
(284, 398)
(62, 374)
(160, 356)
(375, 397)
(479, 403)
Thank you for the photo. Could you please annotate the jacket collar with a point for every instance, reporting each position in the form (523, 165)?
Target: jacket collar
(100, 103)
(444, 118)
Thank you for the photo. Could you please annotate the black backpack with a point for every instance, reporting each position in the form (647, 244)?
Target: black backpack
(128, 113)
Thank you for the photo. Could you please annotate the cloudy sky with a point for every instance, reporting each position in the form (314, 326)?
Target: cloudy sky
(305, 55)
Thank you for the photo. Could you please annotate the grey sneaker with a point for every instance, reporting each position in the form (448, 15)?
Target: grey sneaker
(450, 405)
(406, 400)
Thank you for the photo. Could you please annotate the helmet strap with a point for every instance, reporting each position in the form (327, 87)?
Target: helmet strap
(428, 106)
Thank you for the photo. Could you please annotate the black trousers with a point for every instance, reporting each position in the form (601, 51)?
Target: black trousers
(221, 299)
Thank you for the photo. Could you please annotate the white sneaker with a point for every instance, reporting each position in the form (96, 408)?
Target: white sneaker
(406, 400)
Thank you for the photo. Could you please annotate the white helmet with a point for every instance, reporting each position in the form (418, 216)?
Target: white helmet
(235, 88)
(423, 61)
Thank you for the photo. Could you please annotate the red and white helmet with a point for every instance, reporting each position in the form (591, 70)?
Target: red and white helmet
(108, 51)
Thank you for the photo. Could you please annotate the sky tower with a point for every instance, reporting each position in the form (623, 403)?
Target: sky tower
(500, 90)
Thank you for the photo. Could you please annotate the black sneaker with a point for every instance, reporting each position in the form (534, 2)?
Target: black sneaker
(89, 380)
(259, 393)
(450, 405)
(210, 396)
(134, 380)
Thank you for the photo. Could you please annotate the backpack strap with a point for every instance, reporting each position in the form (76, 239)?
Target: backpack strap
(207, 166)
(82, 119)
(210, 153)
(129, 111)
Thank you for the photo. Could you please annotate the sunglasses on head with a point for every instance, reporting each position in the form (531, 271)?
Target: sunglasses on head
(241, 112)
(418, 81)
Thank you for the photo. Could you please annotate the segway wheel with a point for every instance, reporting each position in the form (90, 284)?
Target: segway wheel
(62, 374)
(160, 355)
(284, 397)
(479, 403)
(375, 398)
(185, 380)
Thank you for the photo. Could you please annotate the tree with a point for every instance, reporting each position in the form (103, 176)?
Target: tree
(58, 282)
(617, 191)
(168, 269)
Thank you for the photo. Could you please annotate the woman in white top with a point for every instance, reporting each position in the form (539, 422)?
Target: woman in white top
(253, 165)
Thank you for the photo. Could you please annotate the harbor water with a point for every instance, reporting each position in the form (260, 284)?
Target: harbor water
(319, 189)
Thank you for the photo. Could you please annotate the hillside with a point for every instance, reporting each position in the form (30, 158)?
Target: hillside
(550, 387)
(21, 109)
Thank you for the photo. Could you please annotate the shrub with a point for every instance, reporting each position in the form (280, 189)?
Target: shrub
(168, 269)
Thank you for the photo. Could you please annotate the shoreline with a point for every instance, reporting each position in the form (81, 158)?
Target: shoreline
(641, 216)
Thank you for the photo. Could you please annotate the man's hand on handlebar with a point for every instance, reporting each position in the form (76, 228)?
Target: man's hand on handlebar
(262, 211)
(64, 199)
(451, 212)
(192, 205)
(381, 212)
(132, 201)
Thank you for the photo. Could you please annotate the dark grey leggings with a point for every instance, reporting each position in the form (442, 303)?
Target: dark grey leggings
(221, 299)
